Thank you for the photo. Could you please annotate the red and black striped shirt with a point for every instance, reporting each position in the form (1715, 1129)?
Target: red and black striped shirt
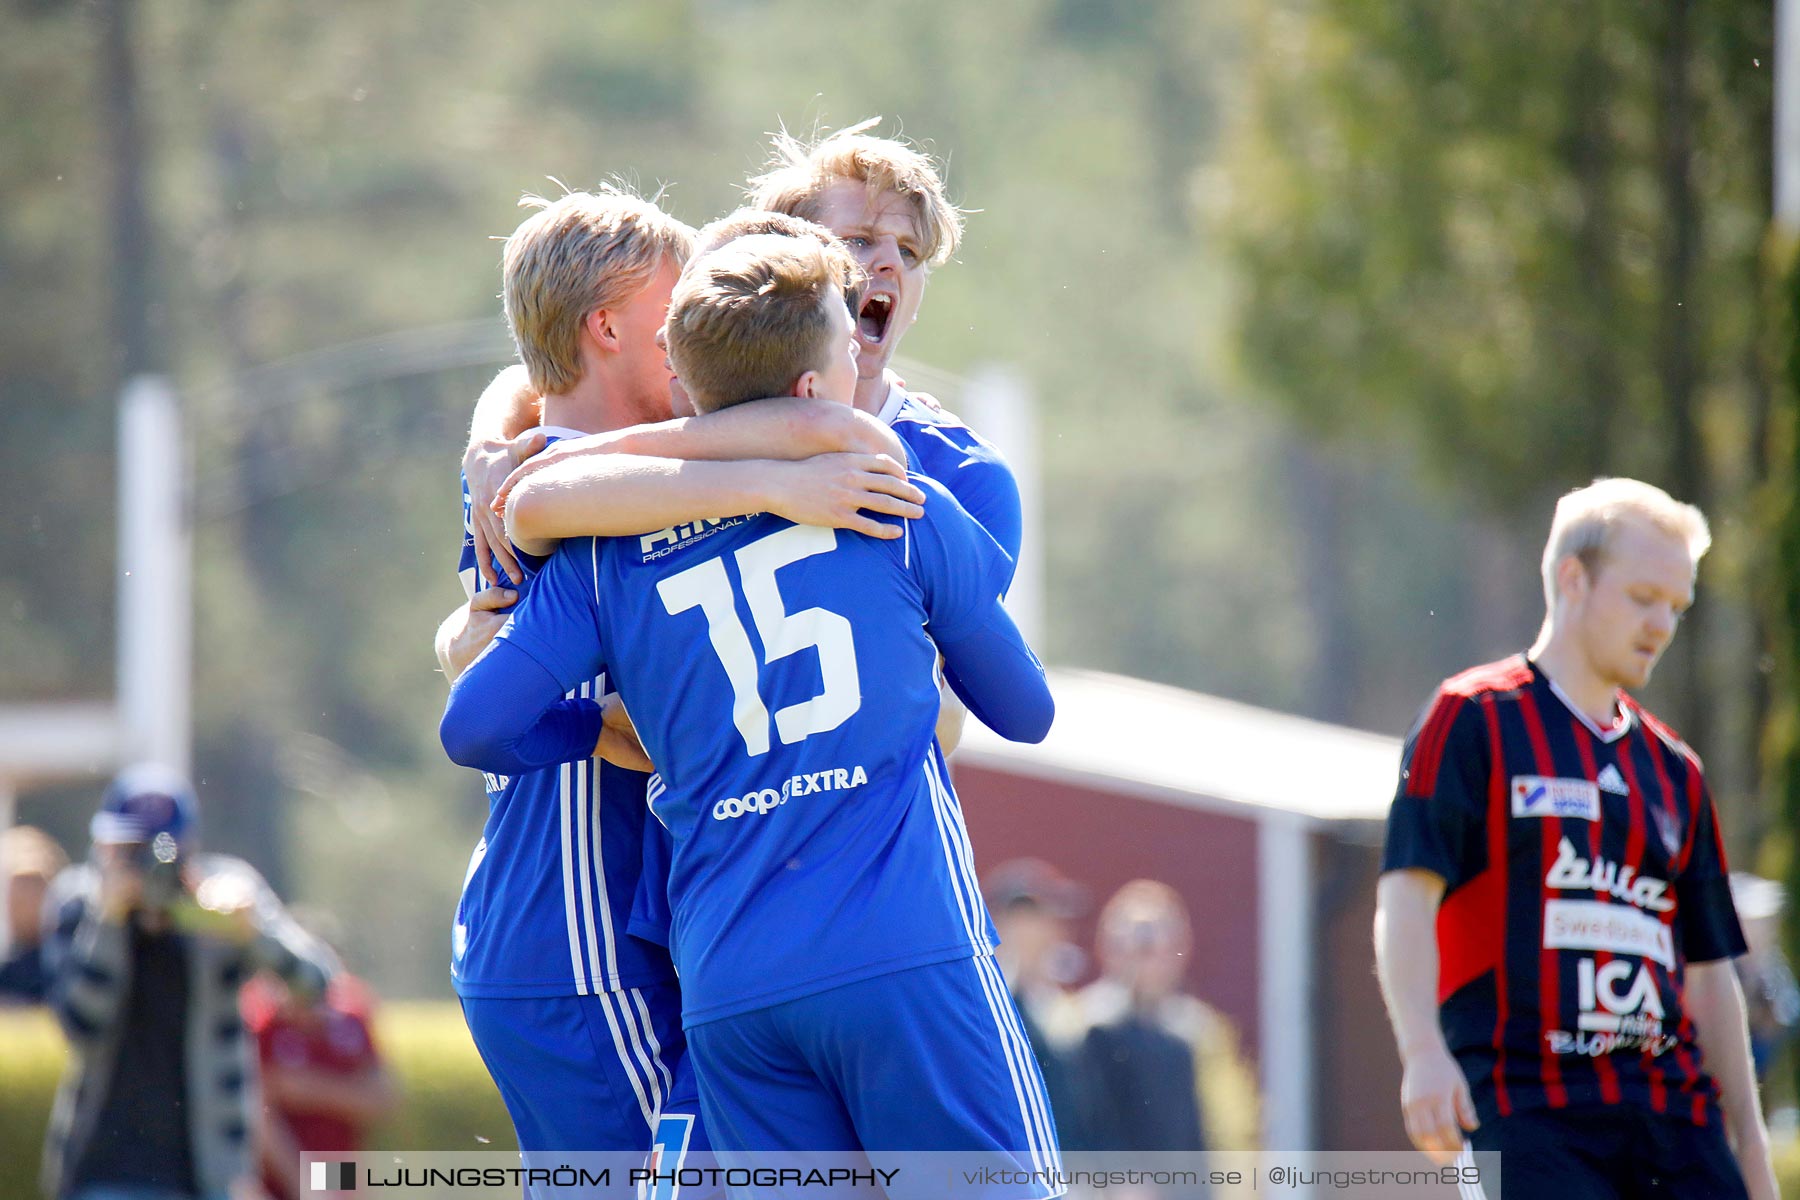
(1584, 871)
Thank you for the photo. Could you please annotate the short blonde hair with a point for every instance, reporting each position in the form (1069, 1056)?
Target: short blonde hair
(747, 222)
(1587, 518)
(582, 252)
(751, 317)
(799, 174)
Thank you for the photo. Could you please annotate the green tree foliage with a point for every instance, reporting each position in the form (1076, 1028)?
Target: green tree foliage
(1526, 241)
(1465, 222)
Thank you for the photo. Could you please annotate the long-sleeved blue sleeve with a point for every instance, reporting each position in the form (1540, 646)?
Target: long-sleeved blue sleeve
(507, 715)
(997, 677)
(973, 471)
(962, 571)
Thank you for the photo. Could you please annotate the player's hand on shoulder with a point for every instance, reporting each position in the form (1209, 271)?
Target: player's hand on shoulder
(1435, 1100)
(839, 491)
(487, 467)
(540, 459)
(484, 617)
(619, 744)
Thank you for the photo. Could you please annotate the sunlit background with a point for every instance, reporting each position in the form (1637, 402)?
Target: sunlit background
(1318, 306)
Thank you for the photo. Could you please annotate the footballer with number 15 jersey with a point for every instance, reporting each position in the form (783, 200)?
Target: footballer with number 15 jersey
(836, 959)
(813, 850)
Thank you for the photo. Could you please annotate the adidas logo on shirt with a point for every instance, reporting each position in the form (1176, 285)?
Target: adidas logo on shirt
(1611, 781)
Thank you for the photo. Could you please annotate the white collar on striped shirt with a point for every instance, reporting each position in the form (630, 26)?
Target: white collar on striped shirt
(1619, 729)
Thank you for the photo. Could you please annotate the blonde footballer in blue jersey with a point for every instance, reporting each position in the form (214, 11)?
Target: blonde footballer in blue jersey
(577, 1022)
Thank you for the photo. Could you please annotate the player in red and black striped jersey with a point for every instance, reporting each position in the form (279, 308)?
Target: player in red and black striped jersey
(1580, 1004)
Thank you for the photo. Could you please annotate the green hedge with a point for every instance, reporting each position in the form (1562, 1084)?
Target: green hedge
(447, 1100)
(31, 1058)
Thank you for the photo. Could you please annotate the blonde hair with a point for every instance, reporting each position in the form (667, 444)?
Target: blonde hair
(751, 317)
(747, 222)
(799, 174)
(577, 254)
(1587, 518)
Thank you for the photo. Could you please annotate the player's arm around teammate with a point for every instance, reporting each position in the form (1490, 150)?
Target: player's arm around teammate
(814, 462)
(624, 495)
(618, 485)
(1434, 1096)
(502, 455)
(1716, 1004)
(986, 661)
(501, 438)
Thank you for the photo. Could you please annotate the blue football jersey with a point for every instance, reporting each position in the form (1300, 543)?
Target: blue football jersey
(781, 678)
(966, 463)
(650, 917)
(972, 470)
(549, 889)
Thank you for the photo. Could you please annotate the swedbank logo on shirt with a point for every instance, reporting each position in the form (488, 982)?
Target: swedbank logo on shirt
(679, 537)
(1547, 796)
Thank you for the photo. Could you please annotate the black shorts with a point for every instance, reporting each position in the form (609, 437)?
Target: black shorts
(1613, 1153)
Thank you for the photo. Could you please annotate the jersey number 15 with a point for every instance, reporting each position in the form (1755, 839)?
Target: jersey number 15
(707, 587)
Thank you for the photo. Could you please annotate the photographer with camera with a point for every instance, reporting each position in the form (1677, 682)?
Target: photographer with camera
(146, 947)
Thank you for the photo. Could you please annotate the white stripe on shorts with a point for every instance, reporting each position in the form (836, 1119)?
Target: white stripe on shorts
(1464, 1161)
(1033, 1108)
(576, 963)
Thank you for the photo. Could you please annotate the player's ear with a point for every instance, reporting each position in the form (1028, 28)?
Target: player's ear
(1571, 577)
(808, 385)
(599, 326)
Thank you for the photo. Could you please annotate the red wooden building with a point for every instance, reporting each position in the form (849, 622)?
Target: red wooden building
(1269, 826)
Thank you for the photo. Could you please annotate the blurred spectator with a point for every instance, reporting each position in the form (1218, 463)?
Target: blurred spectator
(1771, 997)
(1160, 1069)
(147, 946)
(29, 860)
(323, 1081)
(1032, 904)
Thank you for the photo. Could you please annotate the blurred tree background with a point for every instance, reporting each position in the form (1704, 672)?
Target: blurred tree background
(1322, 305)
(1534, 251)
